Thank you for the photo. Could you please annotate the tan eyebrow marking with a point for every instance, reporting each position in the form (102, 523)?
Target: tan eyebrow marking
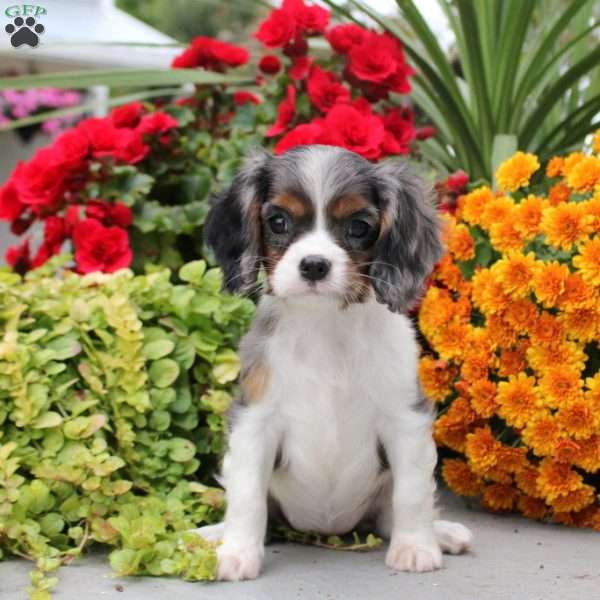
(345, 206)
(296, 206)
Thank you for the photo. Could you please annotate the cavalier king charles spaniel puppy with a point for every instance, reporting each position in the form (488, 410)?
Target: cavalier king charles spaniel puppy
(331, 429)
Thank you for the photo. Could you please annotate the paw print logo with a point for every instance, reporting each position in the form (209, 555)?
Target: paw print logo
(24, 31)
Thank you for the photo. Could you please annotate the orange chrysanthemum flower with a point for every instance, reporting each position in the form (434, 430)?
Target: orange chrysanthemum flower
(516, 172)
(487, 293)
(497, 210)
(571, 161)
(574, 501)
(528, 216)
(555, 166)
(542, 434)
(557, 479)
(596, 142)
(581, 324)
(588, 457)
(532, 508)
(518, 400)
(585, 175)
(565, 225)
(521, 314)
(549, 282)
(460, 478)
(558, 194)
(450, 341)
(499, 497)
(483, 397)
(436, 311)
(526, 480)
(543, 357)
(588, 261)
(501, 333)
(472, 205)
(460, 243)
(512, 460)
(512, 362)
(561, 386)
(435, 378)
(578, 294)
(578, 420)
(449, 274)
(515, 272)
(546, 330)
(481, 449)
(451, 429)
(591, 208)
(566, 451)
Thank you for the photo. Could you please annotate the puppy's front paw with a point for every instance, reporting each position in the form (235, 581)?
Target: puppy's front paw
(453, 538)
(413, 555)
(239, 563)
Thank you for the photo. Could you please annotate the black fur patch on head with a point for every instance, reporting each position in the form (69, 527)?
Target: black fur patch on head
(409, 243)
(233, 226)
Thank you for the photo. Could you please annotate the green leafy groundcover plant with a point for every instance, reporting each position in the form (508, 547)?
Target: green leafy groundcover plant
(113, 390)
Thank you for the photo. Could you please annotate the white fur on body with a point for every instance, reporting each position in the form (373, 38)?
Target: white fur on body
(342, 381)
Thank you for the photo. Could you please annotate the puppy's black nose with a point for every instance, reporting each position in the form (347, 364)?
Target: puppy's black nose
(314, 268)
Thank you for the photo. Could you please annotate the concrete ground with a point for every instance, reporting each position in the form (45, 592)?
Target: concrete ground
(512, 559)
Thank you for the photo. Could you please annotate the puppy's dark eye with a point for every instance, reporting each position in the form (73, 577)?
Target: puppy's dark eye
(358, 229)
(278, 224)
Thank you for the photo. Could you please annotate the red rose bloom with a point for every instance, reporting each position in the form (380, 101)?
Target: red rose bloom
(374, 59)
(211, 54)
(108, 214)
(10, 206)
(128, 115)
(122, 144)
(156, 122)
(18, 257)
(310, 19)
(40, 182)
(55, 232)
(71, 150)
(325, 90)
(285, 113)
(277, 29)
(240, 98)
(99, 248)
(457, 182)
(307, 133)
(348, 127)
(342, 38)
(400, 130)
(72, 217)
(300, 68)
(269, 64)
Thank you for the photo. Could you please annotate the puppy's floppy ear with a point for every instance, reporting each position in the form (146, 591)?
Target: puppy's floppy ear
(409, 243)
(233, 226)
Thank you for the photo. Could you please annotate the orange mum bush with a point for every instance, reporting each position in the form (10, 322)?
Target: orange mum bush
(512, 329)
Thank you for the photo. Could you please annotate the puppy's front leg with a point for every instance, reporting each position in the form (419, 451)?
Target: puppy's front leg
(247, 470)
(411, 453)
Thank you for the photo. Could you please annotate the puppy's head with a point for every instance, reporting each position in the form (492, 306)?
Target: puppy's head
(324, 221)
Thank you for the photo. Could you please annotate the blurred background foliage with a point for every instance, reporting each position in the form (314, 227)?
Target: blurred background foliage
(186, 19)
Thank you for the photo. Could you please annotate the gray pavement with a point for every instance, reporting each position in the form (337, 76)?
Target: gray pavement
(512, 559)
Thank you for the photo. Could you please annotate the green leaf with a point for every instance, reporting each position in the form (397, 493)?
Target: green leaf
(226, 366)
(193, 272)
(47, 420)
(163, 372)
(182, 450)
(158, 349)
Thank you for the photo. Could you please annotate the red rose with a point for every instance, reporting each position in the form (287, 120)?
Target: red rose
(40, 182)
(18, 257)
(309, 19)
(307, 133)
(240, 98)
(325, 90)
(71, 150)
(269, 64)
(109, 214)
(72, 217)
(99, 248)
(400, 130)
(342, 38)
(457, 182)
(374, 59)
(277, 29)
(211, 54)
(127, 115)
(285, 113)
(156, 122)
(55, 232)
(11, 207)
(45, 251)
(348, 127)
(300, 68)
(123, 144)
(424, 133)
